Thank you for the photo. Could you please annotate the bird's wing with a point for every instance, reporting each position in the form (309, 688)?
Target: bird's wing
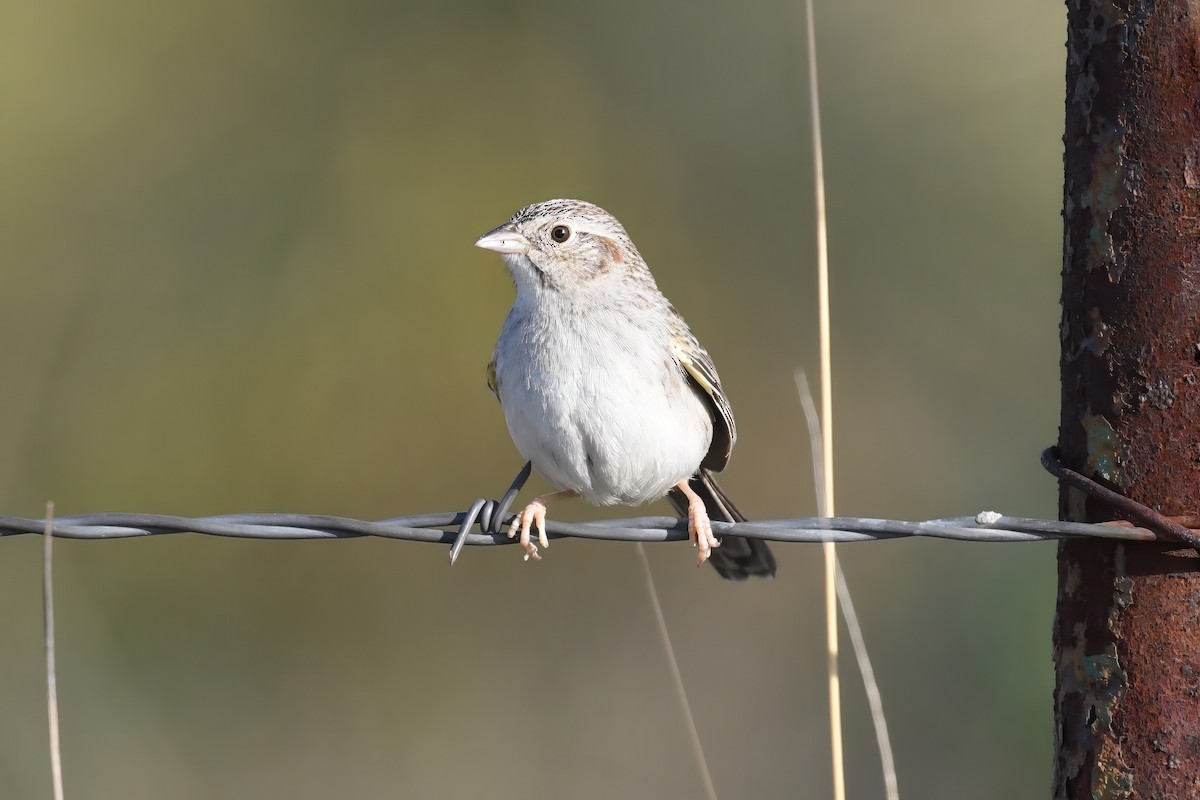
(698, 365)
(493, 385)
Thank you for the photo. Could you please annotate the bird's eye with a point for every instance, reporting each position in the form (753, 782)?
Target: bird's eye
(560, 233)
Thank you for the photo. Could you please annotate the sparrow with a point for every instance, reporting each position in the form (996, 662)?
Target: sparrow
(604, 387)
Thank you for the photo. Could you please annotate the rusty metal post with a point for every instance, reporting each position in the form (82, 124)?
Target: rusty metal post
(1127, 631)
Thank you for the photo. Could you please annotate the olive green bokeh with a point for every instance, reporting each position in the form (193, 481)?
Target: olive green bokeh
(237, 275)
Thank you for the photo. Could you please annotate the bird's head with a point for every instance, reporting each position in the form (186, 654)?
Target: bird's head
(563, 246)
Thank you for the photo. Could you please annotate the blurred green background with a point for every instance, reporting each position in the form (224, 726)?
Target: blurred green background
(237, 276)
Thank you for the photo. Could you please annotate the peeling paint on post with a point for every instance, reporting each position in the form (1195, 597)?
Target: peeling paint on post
(1127, 631)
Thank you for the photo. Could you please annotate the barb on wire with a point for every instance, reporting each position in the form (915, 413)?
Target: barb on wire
(1143, 514)
(490, 514)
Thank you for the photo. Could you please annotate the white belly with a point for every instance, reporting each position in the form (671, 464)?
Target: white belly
(602, 410)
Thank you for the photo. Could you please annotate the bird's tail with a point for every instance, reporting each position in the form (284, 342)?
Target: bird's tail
(737, 558)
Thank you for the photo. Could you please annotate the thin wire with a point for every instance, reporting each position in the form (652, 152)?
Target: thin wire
(51, 668)
(828, 549)
(693, 733)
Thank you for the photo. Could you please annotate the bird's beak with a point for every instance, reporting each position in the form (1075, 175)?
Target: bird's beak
(504, 239)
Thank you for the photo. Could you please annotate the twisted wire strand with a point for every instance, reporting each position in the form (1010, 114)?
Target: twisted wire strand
(492, 517)
(445, 528)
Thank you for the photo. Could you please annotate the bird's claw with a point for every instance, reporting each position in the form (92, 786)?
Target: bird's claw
(700, 532)
(532, 514)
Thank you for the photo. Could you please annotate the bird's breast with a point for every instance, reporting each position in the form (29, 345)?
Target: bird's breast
(594, 399)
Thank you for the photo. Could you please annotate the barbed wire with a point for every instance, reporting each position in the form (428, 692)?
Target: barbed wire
(443, 528)
(439, 528)
(491, 517)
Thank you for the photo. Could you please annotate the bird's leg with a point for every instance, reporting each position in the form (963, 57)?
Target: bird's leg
(535, 514)
(699, 528)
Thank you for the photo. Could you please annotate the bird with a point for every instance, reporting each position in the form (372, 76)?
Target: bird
(604, 387)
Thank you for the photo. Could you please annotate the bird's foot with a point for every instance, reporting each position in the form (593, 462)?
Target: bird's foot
(700, 529)
(532, 514)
